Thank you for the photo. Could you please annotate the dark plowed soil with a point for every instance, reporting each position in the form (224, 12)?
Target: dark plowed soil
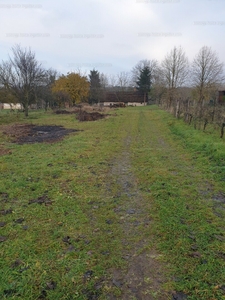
(92, 116)
(29, 134)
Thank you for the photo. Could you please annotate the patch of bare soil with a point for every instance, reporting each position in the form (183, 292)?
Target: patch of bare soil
(29, 134)
(4, 151)
(144, 276)
(89, 116)
(41, 200)
(219, 204)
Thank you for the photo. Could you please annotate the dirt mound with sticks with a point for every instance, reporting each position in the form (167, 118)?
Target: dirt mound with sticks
(92, 116)
(82, 115)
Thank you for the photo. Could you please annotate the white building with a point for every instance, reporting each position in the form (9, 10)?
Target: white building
(10, 106)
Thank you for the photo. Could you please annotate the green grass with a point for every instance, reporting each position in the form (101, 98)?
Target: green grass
(178, 176)
(7, 116)
(178, 171)
(71, 173)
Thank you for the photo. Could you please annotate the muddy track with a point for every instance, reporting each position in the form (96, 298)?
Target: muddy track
(144, 274)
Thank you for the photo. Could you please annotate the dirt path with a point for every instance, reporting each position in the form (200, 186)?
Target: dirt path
(180, 187)
(144, 274)
(169, 176)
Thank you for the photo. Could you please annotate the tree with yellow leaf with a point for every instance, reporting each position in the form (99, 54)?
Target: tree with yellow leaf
(74, 85)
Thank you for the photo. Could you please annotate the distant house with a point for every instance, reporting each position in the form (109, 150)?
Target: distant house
(10, 106)
(127, 97)
(221, 97)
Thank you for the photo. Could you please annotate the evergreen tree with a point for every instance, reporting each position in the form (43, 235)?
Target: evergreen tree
(144, 81)
(95, 87)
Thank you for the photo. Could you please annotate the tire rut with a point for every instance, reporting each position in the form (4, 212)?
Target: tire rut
(144, 275)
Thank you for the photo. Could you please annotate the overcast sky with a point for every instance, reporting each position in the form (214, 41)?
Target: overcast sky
(110, 36)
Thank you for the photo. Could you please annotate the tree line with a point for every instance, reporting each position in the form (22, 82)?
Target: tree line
(188, 90)
(24, 80)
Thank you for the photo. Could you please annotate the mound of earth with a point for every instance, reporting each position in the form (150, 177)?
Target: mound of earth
(29, 134)
(66, 112)
(92, 116)
(82, 115)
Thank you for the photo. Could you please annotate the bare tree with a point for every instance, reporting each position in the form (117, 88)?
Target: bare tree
(44, 92)
(22, 74)
(207, 75)
(174, 72)
(104, 81)
(112, 80)
(123, 80)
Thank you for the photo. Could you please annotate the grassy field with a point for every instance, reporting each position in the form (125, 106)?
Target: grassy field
(81, 216)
